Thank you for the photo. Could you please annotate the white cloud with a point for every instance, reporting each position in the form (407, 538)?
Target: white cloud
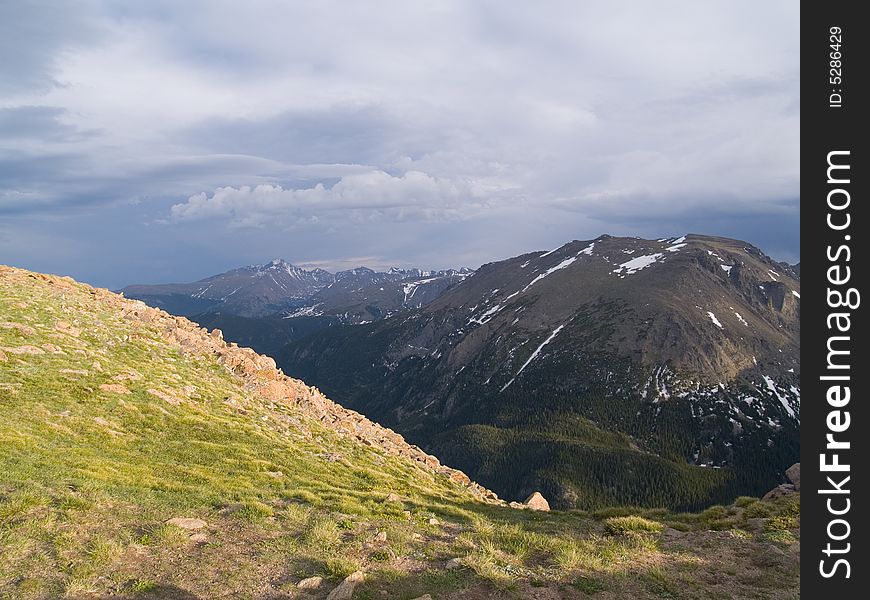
(370, 194)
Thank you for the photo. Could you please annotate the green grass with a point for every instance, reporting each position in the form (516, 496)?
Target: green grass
(88, 479)
(630, 524)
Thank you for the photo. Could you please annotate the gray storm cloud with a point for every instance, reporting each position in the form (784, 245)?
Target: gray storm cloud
(137, 133)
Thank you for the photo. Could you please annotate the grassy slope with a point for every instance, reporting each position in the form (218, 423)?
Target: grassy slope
(89, 476)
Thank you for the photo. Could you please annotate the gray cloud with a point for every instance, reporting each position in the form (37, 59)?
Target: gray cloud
(452, 133)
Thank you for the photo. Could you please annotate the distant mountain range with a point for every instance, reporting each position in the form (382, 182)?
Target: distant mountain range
(607, 371)
(280, 288)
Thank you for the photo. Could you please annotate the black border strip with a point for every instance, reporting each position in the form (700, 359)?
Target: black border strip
(830, 122)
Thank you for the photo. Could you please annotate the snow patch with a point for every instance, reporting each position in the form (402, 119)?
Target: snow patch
(486, 316)
(565, 263)
(727, 268)
(534, 355)
(772, 387)
(715, 320)
(588, 250)
(636, 264)
(798, 296)
(305, 311)
(741, 319)
(411, 288)
(551, 251)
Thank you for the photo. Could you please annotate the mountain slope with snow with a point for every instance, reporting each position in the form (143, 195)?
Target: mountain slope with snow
(617, 370)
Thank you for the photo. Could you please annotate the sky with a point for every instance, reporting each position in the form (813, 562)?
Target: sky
(169, 140)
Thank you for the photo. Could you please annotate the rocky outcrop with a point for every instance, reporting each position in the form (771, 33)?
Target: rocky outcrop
(259, 374)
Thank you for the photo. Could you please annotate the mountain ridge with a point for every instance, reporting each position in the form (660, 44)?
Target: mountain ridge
(698, 335)
(279, 287)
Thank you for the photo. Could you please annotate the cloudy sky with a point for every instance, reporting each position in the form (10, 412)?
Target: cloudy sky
(168, 140)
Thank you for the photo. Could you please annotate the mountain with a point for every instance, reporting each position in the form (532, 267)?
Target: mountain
(249, 291)
(362, 295)
(279, 288)
(145, 458)
(268, 306)
(609, 371)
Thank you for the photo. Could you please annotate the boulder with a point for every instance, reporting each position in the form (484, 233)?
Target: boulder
(345, 589)
(537, 502)
(780, 490)
(309, 583)
(794, 475)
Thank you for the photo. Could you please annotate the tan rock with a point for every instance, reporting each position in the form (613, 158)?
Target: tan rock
(128, 375)
(381, 537)
(537, 502)
(25, 330)
(187, 523)
(68, 329)
(199, 538)
(114, 388)
(423, 597)
(82, 372)
(309, 583)
(453, 563)
(52, 348)
(24, 350)
(391, 497)
(793, 473)
(173, 400)
(3, 356)
(345, 589)
(433, 521)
